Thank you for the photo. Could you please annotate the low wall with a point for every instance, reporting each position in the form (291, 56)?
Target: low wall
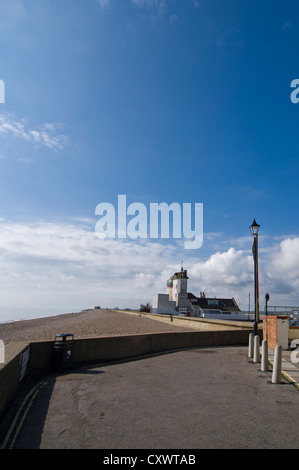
(13, 372)
(38, 357)
(207, 324)
(112, 348)
(194, 322)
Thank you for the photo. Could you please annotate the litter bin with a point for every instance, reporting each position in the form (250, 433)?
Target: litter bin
(63, 351)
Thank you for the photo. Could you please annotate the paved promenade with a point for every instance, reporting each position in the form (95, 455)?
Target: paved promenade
(208, 398)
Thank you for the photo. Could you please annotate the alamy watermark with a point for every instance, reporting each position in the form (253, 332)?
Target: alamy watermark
(295, 353)
(2, 91)
(295, 94)
(161, 220)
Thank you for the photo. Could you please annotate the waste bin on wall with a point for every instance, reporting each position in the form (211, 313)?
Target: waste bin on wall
(63, 351)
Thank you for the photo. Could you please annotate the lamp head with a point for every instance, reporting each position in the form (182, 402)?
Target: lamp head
(254, 228)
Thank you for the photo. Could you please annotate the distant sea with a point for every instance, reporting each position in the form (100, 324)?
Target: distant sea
(10, 314)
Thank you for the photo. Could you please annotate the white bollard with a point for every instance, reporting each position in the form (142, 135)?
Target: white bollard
(276, 374)
(2, 352)
(256, 349)
(265, 364)
(250, 345)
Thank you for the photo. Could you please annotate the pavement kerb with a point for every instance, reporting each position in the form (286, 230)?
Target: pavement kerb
(284, 374)
(290, 379)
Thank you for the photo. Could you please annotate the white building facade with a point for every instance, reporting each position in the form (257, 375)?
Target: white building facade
(177, 300)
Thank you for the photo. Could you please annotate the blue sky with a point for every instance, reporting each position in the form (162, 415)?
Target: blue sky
(160, 100)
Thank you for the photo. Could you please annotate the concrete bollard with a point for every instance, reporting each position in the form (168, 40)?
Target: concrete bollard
(276, 374)
(250, 345)
(265, 364)
(256, 349)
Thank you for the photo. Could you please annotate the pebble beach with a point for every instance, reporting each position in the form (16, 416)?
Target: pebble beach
(90, 323)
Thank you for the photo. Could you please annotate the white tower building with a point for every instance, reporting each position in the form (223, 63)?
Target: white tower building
(170, 288)
(176, 297)
(177, 290)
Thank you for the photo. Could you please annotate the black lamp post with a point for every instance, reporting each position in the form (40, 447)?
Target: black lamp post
(267, 298)
(254, 228)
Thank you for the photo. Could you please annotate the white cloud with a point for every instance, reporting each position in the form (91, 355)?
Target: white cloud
(148, 3)
(159, 5)
(223, 274)
(53, 261)
(46, 135)
(285, 261)
(12, 12)
(85, 220)
(230, 273)
(231, 268)
(61, 265)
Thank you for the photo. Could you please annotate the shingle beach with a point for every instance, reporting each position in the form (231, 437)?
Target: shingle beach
(83, 324)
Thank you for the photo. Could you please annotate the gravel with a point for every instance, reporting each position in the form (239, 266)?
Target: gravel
(91, 323)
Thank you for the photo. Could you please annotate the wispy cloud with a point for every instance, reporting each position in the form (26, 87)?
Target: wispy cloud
(248, 191)
(57, 263)
(173, 19)
(45, 135)
(286, 25)
(148, 3)
(158, 6)
(103, 3)
(12, 12)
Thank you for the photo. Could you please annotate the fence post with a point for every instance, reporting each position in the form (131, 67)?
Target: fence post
(276, 374)
(256, 349)
(264, 366)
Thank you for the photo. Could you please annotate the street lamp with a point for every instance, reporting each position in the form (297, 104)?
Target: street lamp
(254, 228)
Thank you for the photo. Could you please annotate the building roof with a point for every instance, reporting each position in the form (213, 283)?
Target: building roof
(210, 303)
(180, 275)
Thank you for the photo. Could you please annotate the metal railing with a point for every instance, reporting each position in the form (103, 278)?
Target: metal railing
(282, 309)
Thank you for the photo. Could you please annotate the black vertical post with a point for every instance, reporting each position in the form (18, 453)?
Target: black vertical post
(256, 284)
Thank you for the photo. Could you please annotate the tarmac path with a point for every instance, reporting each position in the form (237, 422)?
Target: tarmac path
(207, 398)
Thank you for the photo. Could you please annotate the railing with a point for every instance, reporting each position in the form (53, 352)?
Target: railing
(281, 309)
(289, 311)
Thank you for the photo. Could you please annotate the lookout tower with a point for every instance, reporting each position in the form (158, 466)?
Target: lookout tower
(177, 289)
